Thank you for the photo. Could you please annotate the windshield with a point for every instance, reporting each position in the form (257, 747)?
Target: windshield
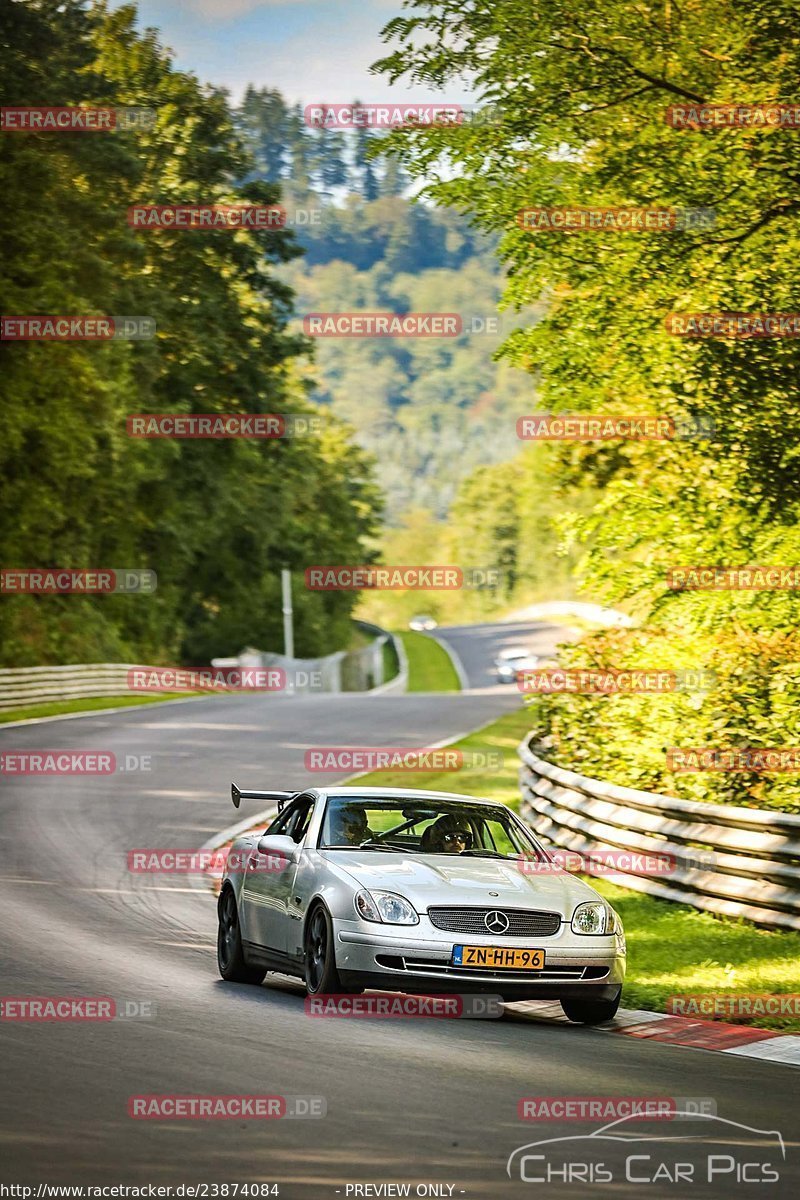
(424, 827)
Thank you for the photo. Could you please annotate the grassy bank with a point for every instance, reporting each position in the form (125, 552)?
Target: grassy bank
(87, 704)
(430, 668)
(672, 948)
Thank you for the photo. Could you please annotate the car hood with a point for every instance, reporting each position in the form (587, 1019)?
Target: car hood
(449, 879)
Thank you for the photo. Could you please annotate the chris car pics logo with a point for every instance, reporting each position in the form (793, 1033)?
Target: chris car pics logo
(698, 1154)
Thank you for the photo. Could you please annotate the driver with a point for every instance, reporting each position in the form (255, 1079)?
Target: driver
(349, 826)
(449, 835)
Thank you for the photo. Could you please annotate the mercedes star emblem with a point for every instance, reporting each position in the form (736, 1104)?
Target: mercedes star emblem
(496, 922)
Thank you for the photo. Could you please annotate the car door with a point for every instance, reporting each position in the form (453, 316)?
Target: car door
(267, 886)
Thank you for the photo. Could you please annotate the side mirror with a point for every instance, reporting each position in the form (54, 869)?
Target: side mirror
(279, 846)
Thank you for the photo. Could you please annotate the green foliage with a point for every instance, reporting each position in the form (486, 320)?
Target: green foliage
(428, 409)
(285, 148)
(750, 699)
(579, 95)
(508, 518)
(215, 519)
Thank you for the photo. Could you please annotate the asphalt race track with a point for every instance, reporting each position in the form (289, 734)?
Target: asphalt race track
(477, 645)
(421, 1102)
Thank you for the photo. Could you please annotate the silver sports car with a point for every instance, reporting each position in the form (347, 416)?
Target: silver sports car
(352, 888)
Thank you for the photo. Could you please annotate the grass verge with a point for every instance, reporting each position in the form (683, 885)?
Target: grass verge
(391, 666)
(430, 668)
(672, 948)
(87, 704)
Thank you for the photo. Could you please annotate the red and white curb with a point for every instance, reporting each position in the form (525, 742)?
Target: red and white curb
(719, 1036)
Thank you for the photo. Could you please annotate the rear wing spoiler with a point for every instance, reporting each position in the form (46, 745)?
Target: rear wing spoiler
(238, 794)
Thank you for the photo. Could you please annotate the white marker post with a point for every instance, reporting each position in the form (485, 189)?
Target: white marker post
(288, 624)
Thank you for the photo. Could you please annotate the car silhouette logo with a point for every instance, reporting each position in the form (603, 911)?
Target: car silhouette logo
(496, 922)
(728, 1133)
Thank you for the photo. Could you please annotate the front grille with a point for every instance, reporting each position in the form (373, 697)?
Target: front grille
(522, 922)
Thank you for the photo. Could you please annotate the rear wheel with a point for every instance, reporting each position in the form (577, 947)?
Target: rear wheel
(230, 956)
(591, 1012)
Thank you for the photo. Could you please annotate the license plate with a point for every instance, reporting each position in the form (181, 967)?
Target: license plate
(498, 958)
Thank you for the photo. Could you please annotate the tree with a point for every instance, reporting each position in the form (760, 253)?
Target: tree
(262, 120)
(577, 99)
(215, 519)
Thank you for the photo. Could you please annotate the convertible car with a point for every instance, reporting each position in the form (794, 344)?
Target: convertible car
(418, 892)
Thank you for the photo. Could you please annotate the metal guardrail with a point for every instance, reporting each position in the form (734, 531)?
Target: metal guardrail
(737, 862)
(41, 685)
(356, 670)
(359, 670)
(399, 682)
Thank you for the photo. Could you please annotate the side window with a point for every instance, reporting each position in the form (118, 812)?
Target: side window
(295, 818)
(283, 819)
(303, 821)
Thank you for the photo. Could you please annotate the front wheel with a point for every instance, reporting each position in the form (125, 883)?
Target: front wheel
(319, 959)
(591, 1012)
(230, 956)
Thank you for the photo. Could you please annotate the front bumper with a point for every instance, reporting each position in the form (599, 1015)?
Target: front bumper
(417, 958)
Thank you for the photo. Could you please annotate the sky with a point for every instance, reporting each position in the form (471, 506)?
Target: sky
(309, 51)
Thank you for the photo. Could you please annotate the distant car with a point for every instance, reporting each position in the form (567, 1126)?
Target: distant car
(512, 652)
(523, 666)
(421, 623)
(414, 891)
(509, 662)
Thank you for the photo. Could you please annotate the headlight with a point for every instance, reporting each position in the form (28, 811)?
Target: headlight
(385, 907)
(593, 917)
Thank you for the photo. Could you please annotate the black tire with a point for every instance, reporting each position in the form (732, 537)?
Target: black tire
(319, 959)
(591, 1012)
(230, 956)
